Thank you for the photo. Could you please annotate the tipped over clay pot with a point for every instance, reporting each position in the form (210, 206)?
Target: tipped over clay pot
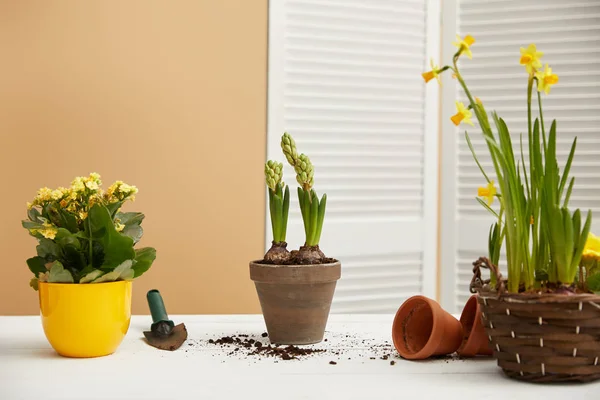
(475, 340)
(422, 329)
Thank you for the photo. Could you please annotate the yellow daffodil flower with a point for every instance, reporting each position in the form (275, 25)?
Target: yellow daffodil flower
(464, 45)
(545, 79)
(530, 58)
(463, 115)
(434, 73)
(489, 192)
(591, 249)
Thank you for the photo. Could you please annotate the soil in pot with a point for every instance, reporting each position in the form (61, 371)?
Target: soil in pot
(306, 255)
(475, 340)
(422, 329)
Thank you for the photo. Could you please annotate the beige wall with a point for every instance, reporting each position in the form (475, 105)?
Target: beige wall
(166, 95)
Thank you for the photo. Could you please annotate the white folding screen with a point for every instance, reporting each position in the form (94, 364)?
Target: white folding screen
(569, 35)
(344, 81)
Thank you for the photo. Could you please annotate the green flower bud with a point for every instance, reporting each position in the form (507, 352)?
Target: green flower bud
(273, 174)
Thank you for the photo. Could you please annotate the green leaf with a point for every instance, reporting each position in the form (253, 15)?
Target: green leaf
(34, 215)
(117, 248)
(314, 216)
(122, 272)
(475, 156)
(593, 283)
(135, 232)
(95, 274)
(485, 205)
(285, 213)
(130, 218)
(37, 265)
(304, 207)
(132, 222)
(113, 208)
(58, 274)
(144, 258)
(48, 250)
(567, 169)
(65, 238)
(321, 217)
(277, 204)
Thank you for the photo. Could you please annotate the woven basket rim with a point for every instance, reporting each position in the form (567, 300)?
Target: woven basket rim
(539, 297)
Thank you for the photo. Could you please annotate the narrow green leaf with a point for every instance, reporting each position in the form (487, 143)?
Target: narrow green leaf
(475, 157)
(567, 169)
(278, 204)
(569, 191)
(285, 213)
(569, 240)
(321, 217)
(485, 205)
(314, 216)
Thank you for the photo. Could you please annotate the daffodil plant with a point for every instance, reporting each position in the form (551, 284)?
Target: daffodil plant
(312, 208)
(82, 235)
(544, 240)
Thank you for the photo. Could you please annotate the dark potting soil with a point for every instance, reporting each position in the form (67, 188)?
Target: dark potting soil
(295, 261)
(257, 347)
(254, 347)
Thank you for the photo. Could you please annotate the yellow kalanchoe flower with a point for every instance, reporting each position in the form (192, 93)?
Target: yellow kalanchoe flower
(434, 73)
(545, 79)
(530, 58)
(77, 185)
(463, 115)
(49, 231)
(464, 45)
(489, 192)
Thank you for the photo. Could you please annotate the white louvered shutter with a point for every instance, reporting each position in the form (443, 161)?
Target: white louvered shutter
(344, 81)
(568, 32)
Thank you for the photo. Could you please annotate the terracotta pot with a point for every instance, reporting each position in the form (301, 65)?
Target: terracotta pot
(423, 329)
(475, 340)
(295, 299)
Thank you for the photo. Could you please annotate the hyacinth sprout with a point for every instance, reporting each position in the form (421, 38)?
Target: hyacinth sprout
(279, 206)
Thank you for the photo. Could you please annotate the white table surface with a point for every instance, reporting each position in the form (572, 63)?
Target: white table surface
(29, 368)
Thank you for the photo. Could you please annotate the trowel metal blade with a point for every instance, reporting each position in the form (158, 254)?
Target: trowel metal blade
(171, 342)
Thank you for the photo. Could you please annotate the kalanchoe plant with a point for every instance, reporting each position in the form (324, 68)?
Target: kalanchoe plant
(279, 206)
(82, 235)
(544, 240)
(313, 209)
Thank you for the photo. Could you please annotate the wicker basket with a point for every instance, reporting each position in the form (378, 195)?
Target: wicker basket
(540, 337)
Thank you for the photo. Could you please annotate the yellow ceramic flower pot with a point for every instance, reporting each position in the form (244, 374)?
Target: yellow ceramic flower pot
(85, 320)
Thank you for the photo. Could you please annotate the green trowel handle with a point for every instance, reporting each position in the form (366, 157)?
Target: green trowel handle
(157, 307)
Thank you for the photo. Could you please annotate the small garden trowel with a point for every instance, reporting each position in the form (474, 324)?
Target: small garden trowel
(163, 333)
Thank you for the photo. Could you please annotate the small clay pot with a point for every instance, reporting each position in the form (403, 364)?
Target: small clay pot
(423, 329)
(475, 340)
(295, 299)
